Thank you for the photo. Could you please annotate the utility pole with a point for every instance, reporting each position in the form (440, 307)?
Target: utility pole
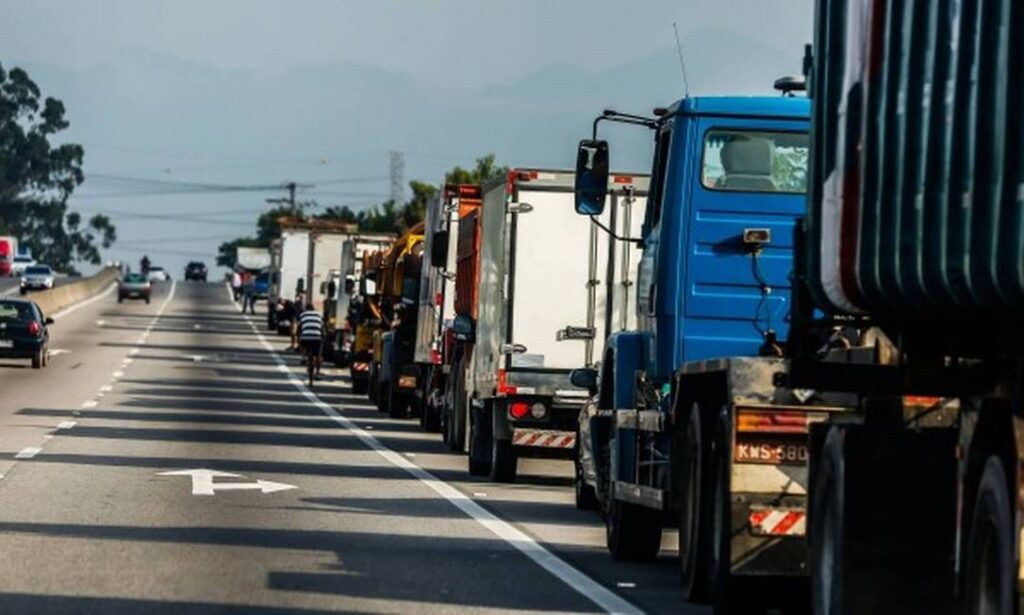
(397, 181)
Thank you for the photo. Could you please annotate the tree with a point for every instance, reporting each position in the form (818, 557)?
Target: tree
(486, 168)
(268, 228)
(37, 178)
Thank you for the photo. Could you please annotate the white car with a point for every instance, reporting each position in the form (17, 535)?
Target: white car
(21, 263)
(37, 277)
(157, 274)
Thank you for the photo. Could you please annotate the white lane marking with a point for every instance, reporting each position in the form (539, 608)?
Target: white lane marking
(625, 585)
(203, 484)
(134, 351)
(118, 374)
(56, 352)
(127, 361)
(478, 494)
(11, 290)
(92, 403)
(600, 595)
(231, 294)
(197, 326)
(28, 452)
(65, 424)
(107, 388)
(81, 304)
(100, 323)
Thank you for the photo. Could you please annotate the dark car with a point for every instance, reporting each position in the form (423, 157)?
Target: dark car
(134, 286)
(24, 332)
(195, 271)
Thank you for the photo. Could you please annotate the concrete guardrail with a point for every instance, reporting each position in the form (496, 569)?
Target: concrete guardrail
(64, 296)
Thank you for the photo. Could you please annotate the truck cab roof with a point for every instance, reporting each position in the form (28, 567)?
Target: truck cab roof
(782, 107)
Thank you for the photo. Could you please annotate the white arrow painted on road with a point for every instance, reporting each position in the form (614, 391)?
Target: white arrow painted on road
(203, 484)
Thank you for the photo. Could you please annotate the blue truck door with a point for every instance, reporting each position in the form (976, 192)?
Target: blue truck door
(752, 175)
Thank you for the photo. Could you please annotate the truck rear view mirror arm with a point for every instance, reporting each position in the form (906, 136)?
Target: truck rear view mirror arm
(612, 233)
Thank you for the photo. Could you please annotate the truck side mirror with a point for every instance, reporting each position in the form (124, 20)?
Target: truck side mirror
(350, 286)
(584, 378)
(332, 289)
(300, 285)
(439, 249)
(463, 327)
(591, 177)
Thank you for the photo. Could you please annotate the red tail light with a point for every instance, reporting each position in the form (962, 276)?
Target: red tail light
(34, 328)
(503, 387)
(519, 409)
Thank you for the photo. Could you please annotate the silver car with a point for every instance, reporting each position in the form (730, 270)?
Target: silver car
(37, 277)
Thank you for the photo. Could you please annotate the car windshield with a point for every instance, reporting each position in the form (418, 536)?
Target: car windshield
(23, 259)
(134, 278)
(38, 271)
(755, 161)
(10, 310)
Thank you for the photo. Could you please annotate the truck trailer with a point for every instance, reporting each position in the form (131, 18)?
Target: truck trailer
(909, 297)
(535, 320)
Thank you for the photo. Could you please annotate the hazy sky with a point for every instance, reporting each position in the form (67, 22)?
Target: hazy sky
(264, 91)
(454, 41)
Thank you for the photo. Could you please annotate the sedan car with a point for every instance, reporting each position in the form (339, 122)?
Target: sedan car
(157, 274)
(134, 286)
(24, 332)
(195, 271)
(37, 277)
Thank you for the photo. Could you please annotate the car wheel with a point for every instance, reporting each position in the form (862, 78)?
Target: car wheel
(37, 359)
(120, 299)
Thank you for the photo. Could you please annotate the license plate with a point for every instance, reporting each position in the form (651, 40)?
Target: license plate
(6, 343)
(769, 452)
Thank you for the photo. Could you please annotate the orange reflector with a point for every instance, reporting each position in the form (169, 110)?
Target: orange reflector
(921, 401)
(766, 421)
(503, 387)
(519, 409)
(622, 179)
(407, 382)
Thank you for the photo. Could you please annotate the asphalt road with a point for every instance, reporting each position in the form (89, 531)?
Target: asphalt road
(355, 512)
(9, 286)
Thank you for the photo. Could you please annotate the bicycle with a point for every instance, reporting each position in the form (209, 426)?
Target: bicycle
(313, 350)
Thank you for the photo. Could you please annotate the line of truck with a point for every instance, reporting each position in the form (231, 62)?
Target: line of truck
(798, 340)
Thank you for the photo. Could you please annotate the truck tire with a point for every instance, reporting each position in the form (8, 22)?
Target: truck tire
(456, 420)
(726, 599)
(396, 404)
(504, 461)
(479, 457)
(586, 496)
(359, 386)
(633, 532)
(990, 576)
(694, 514)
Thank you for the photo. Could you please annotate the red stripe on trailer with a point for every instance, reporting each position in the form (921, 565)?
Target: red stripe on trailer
(787, 523)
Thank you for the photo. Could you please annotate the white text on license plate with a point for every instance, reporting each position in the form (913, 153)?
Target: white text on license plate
(6, 343)
(771, 452)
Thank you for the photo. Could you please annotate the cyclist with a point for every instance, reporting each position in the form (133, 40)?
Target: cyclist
(311, 337)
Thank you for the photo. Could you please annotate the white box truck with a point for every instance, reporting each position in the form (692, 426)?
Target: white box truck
(538, 317)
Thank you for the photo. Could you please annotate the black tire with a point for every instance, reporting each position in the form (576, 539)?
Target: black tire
(120, 299)
(990, 579)
(24, 291)
(37, 359)
(694, 514)
(586, 496)
(359, 386)
(633, 533)
(397, 404)
(504, 461)
(456, 414)
(727, 599)
(431, 418)
(147, 300)
(479, 454)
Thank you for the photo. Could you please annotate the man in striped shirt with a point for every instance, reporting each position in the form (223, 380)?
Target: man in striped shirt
(311, 335)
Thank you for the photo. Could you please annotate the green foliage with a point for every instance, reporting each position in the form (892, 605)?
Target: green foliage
(486, 168)
(37, 178)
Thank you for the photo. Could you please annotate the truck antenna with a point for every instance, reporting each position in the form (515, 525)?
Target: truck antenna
(682, 64)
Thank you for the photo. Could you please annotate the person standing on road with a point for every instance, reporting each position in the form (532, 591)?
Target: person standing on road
(236, 284)
(311, 335)
(249, 295)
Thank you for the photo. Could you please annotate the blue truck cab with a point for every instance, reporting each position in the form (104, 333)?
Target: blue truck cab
(728, 184)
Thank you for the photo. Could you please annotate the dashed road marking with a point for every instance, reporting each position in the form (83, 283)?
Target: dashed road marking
(92, 403)
(28, 452)
(66, 424)
(106, 388)
(118, 374)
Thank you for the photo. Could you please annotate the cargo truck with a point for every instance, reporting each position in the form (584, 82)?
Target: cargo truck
(342, 287)
(397, 280)
(436, 304)
(689, 426)
(909, 297)
(535, 321)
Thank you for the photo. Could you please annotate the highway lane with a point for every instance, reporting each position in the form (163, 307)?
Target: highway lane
(9, 286)
(90, 519)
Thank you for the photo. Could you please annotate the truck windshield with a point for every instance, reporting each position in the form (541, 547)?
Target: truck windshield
(755, 161)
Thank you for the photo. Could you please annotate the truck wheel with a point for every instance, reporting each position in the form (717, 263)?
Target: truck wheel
(586, 496)
(991, 572)
(694, 516)
(397, 403)
(456, 421)
(504, 461)
(633, 532)
(359, 386)
(723, 585)
(431, 418)
(479, 448)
